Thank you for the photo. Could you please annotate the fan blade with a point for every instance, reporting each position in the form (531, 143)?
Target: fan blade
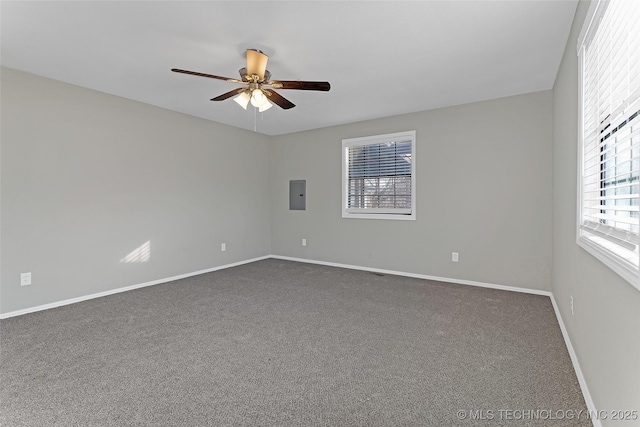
(256, 63)
(211, 76)
(278, 99)
(228, 94)
(300, 85)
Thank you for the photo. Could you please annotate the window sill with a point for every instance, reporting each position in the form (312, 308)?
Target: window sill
(617, 264)
(394, 217)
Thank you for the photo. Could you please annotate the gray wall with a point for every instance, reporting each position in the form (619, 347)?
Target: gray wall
(88, 177)
(606, 325)
(483, 189)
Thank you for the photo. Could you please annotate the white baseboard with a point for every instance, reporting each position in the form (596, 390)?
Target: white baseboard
(124, 289)
(591, 407)
(309, 261)
(418, 276)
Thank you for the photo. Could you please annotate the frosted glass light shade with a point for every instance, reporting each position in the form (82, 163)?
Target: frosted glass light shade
(265, 106)
(242, 100)
(258, 98)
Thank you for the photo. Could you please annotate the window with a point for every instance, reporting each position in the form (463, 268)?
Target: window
(609, 179)
(378, 176)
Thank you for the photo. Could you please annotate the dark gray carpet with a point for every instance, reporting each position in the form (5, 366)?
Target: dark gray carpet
(277, 343)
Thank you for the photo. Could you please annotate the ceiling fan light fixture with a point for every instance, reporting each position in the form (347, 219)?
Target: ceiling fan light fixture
(242, 99)
(253, 77)
(258, 98)
(265, 106)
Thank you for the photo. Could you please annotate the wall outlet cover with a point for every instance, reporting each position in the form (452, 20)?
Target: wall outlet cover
(25, 279)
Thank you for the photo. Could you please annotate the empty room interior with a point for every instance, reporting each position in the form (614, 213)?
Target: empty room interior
(414, 213)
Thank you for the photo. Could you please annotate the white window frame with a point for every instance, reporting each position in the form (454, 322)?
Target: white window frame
(378, 213)
(600, 248)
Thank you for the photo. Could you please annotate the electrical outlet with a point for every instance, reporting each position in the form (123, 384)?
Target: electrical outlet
(454, 256)
(25, 279)
(572, 305)
(304, 242)
(223, 247)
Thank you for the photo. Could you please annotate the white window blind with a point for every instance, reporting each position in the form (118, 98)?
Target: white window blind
(609, 223)
(379, 177)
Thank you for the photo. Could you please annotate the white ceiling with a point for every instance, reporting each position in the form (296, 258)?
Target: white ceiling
(382, 58)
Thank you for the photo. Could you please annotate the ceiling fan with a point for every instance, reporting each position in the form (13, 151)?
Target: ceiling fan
(257, 86)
